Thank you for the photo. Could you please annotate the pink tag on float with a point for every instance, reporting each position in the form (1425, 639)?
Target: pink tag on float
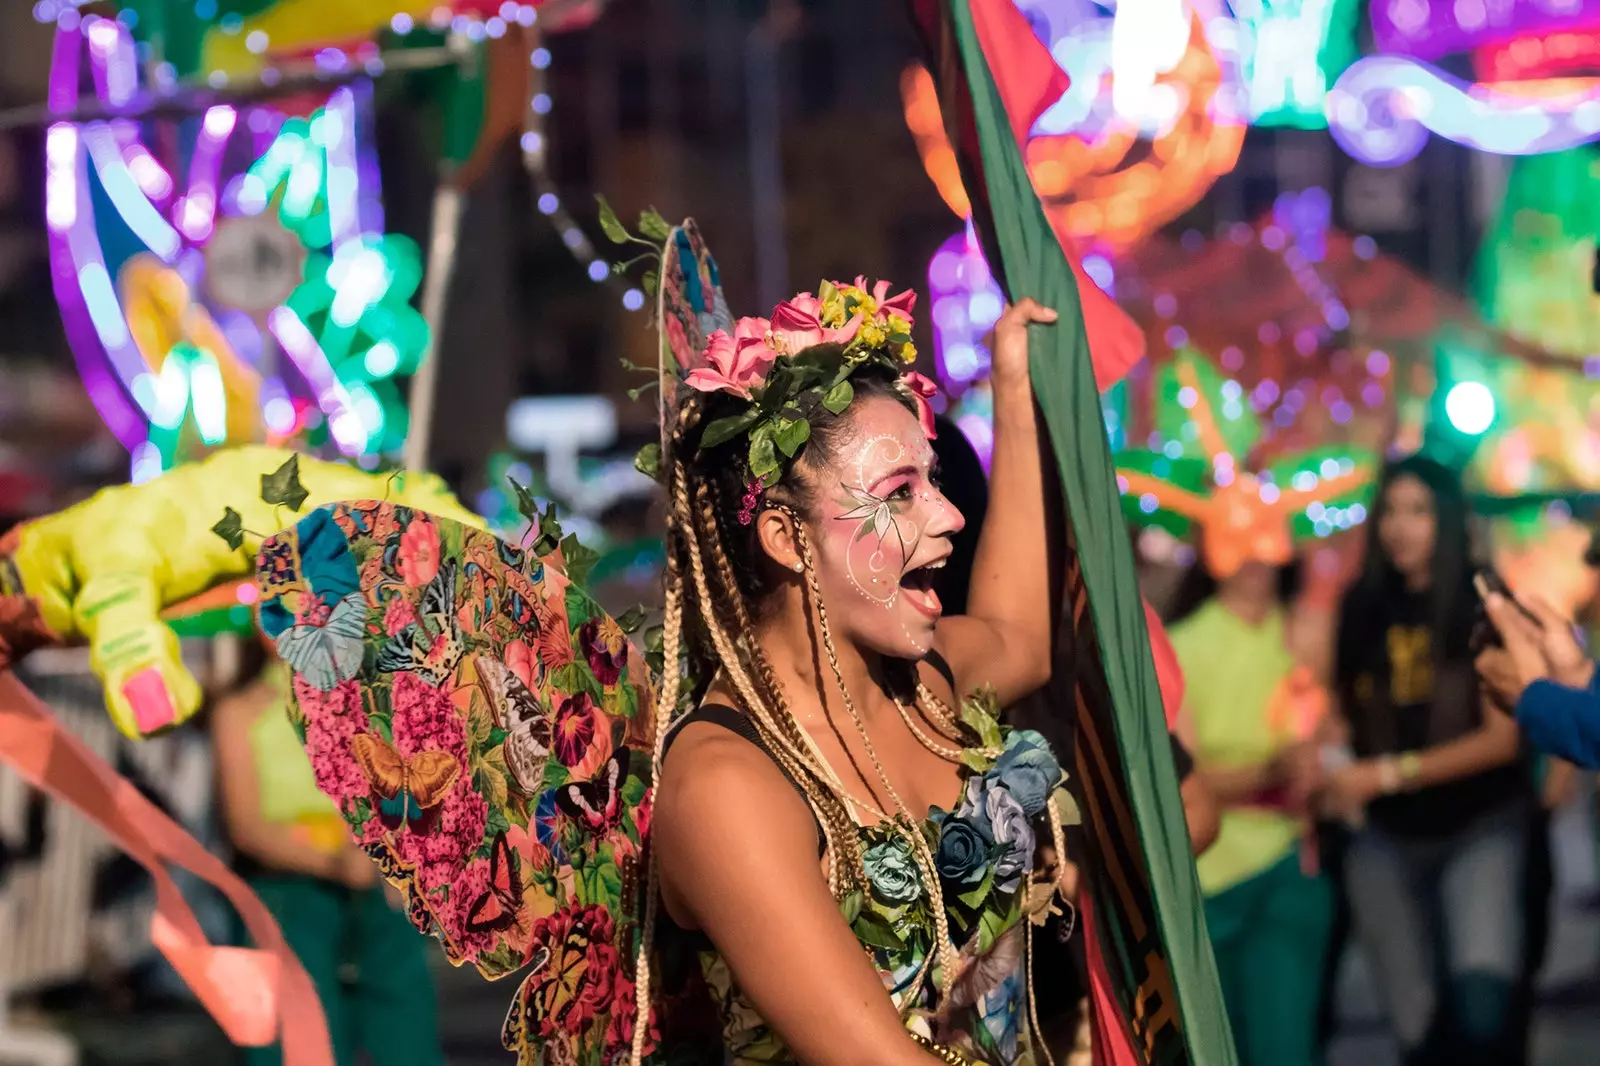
(152, 705)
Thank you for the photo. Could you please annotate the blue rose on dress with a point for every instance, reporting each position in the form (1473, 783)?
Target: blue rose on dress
(893, 872)
(963, 855)
(1008, 823)
(1027, 769)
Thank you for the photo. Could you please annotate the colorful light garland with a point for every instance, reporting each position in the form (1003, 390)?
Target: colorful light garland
(1429, 29)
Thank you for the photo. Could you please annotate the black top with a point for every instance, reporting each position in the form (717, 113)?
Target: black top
(1401, 696)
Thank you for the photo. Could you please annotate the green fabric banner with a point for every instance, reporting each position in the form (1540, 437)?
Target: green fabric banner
(1147, 900)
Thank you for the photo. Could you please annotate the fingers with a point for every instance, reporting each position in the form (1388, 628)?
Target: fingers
(1554, 623)
(1511, 623)
(1025, 311)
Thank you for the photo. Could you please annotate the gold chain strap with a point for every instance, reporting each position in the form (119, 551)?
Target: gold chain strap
(949, 1055)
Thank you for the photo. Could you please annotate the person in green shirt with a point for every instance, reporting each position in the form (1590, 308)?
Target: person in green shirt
(1268, 918)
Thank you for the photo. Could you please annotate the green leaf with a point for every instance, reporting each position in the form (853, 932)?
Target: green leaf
(579, 560)
(648, 460)
(652, 225)
(839, 397)
(527, 506)
(549, 530)
(575, 677)
(496, 823)
(655, 639)
(230, 528)
(651, 283)
(993, 923)
(725, 429)
(792, 433)
(850, 906)
(635, 393)
(974, 899)
(873, 931)
(283, 485)
(631, 619)
(1067, 806)
(609, 223)
(763, 453)
(633, 790)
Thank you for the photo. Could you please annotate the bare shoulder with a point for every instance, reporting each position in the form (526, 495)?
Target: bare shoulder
(713, 776)
(724, 811)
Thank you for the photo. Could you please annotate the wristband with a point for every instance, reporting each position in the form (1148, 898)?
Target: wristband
(1390, 776)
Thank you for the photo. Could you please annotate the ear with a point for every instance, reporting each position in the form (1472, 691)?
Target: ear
(775, 530)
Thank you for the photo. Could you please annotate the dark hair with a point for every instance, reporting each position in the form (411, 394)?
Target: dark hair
(1198, 585)
(966, 486)
(1364, 615)
(725, 469)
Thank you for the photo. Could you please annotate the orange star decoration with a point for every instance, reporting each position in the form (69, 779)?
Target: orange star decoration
(1198, 476)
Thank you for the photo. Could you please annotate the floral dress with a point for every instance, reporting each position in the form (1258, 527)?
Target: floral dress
(984, 851)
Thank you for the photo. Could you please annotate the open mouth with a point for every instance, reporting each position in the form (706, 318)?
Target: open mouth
(917, 588)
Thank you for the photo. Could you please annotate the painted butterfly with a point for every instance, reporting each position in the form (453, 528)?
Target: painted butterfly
(597, 803)
(433, 646)
(500, 905)
(526, 723)
(514, 1031)
(408, 791)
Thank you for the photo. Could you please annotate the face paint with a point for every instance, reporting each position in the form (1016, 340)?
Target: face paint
(884, 529)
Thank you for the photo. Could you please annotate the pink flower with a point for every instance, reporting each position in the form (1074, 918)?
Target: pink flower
(419, 552)
(734, 364)
(921, 390)
(901, 305)
(332, 718)
(797, 325)
(398, 613)
(425, 719)
(519, 660)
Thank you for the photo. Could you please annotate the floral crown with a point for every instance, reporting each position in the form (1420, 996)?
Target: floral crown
(812, 343)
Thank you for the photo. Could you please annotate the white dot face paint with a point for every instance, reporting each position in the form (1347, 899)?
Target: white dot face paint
(885, 530)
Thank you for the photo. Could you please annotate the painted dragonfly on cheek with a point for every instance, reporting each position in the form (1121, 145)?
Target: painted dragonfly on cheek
(879, 516)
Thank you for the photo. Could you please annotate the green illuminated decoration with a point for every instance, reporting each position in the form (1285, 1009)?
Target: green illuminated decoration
(1292, 52)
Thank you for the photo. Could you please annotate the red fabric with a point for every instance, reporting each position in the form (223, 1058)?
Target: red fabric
(1168, 672)
(1030, 81)
(256, 995)
(1112, 1045)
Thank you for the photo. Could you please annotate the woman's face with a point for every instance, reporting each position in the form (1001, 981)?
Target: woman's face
(1407, 526)
(882, 529)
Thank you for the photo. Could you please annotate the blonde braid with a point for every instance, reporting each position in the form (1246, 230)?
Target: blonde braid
(909, 827)
(666, 705)
(800, 767)
(842, 831)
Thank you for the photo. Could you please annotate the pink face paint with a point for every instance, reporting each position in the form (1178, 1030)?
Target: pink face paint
(885, 530)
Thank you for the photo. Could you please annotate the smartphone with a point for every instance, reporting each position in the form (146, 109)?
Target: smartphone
(1484, 633)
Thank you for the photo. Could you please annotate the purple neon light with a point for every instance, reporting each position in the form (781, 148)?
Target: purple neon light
(308, 357)
(123, 190)
(1382, 109)
(196, 209)
(966, 302)
(343, 177)
(1428, 29)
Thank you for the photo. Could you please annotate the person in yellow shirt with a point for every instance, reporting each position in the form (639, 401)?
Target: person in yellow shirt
(1268, 917)
(293, 847)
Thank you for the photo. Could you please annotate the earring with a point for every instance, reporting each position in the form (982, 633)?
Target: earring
(799, 567)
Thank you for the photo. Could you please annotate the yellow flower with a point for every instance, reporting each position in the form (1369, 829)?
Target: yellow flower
(899, 325)
(833, 313)
(908, 352)
(872, 335)
(861, 302)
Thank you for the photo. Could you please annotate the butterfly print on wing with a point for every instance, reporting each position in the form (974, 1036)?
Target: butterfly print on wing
(596, 804)
(407, 791)
(527, 726)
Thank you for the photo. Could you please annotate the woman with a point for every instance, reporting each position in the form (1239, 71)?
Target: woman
(1268, 917)
(823, 768)
(1435, 874)
(292, 847)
